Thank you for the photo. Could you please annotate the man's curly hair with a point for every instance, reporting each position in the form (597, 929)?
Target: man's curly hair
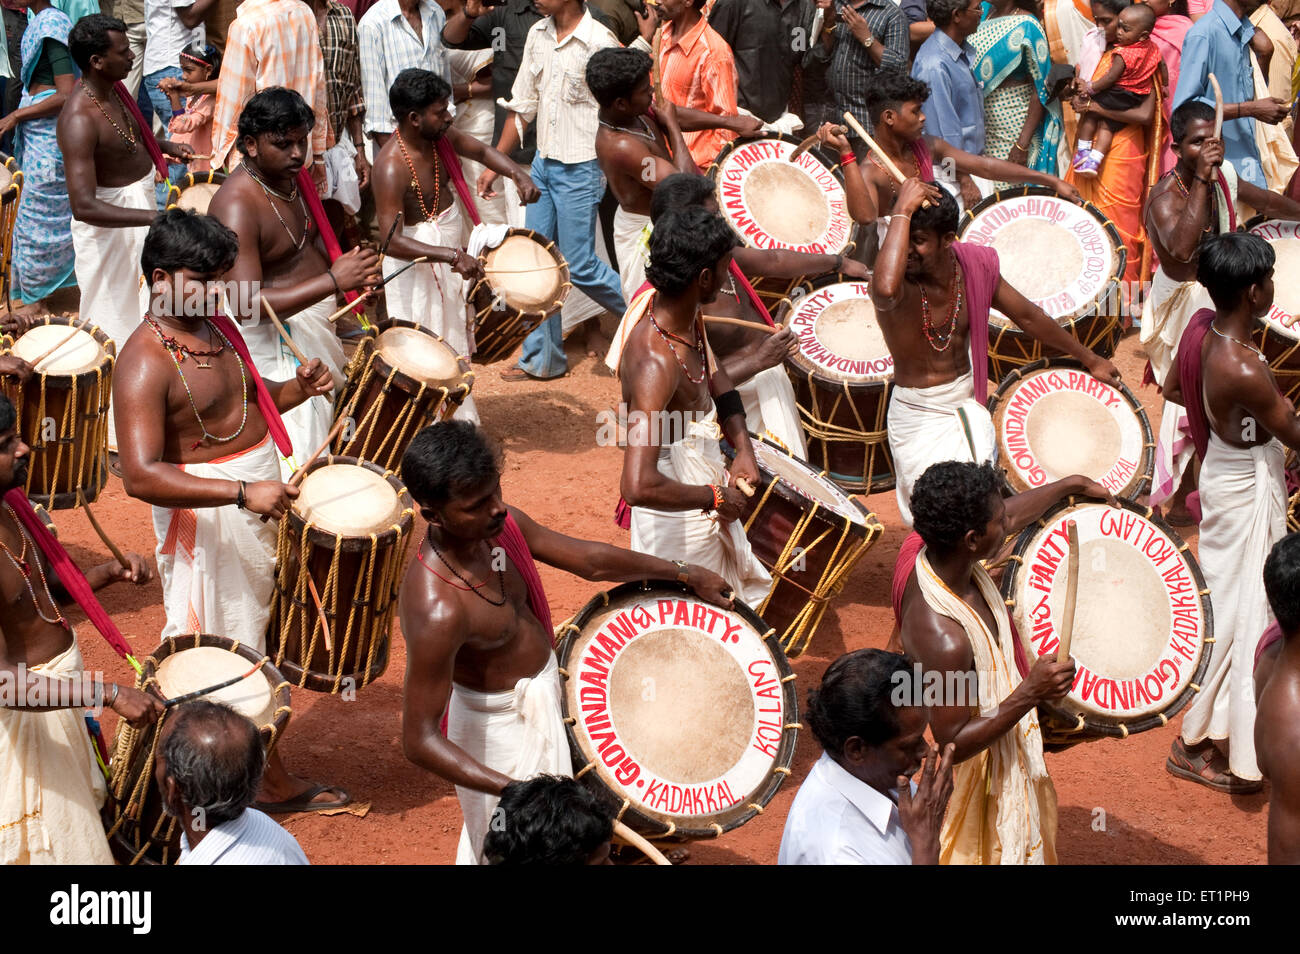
(951, 499)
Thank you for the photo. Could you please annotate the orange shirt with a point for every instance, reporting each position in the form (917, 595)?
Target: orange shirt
(698, 71)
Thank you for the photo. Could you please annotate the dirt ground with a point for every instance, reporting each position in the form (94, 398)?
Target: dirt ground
(1117, 803)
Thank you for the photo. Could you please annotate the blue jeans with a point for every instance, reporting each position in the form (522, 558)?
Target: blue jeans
(163, 107)
(566, 213)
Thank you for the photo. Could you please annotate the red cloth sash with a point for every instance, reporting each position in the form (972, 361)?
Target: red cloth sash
(451, 162)
(979, 265)
(511, 539)
(924, 161)
(146, 130)
(317, 209)
(265, 403)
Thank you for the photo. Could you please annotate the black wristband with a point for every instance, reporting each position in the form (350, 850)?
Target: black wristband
(240, 499)
(338, 292)
(729, 404)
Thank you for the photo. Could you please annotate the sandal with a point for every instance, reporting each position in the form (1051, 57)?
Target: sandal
(1199, 767)
(516, 374)
(304, 802)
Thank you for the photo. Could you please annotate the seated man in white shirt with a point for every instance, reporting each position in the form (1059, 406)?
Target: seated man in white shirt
(208, 770)
(857, 806)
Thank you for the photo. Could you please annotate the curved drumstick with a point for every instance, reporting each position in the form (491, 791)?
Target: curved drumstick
(1218, 105)
(885, 161)
(112, 547)
(76, 326)
(741, 322)
(1071, 591)
(803, 146)
(623, 833)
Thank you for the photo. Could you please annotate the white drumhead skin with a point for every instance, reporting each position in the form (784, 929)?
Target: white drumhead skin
(349, 500)
(679, 702)
(198, 197)
(203, 666)
(1285, 239)
(81, 353)
(419, 355)
(788, 202)
(806, 481)
(6, 177)
(839, 335)
(1055, 253)
(1138, 621)
(523, 272)
(1061, 421)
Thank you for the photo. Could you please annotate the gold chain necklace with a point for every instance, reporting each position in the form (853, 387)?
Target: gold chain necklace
(23, 567)
(294, 194)
(127, 137)
(415, 181)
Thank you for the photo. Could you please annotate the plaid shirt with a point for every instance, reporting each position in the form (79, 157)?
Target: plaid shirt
(388, 46)
(338, 44)
(271, 43)
(852, 66)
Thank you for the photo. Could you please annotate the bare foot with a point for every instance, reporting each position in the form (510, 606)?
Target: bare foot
(597, 341)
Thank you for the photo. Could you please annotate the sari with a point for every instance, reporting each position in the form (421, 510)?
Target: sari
(1007, 48)
(42, 250)
(1168, 35)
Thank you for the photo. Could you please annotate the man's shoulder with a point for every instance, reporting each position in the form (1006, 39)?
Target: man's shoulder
(377, 16)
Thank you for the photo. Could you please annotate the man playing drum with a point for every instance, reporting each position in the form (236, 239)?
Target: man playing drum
(932, 296)
(110, 181)
(478, 625)
(197, 445)
(411, 181)
(1197, 197)
(279, 259)
(50, 787)
(1241, 426)
(685, 504)
(1277, 689)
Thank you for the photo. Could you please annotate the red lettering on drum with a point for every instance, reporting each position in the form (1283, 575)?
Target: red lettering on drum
(733, 632)
(682, 615)
(622, 628)
(700, 616)
(1118, 477)
(628, 771)
(595, 673)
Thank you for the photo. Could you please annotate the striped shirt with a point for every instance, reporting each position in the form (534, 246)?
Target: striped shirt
(698, 71)
(552, 88)
(388, 46)
(251, 839)
(852, 66)
(271, 43)
(339, 46)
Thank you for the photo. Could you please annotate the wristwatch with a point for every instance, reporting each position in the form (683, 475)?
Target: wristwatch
(683, 572)
(866, 44)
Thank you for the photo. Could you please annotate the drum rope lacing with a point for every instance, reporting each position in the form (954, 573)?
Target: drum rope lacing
(818, 427)
(173, 348)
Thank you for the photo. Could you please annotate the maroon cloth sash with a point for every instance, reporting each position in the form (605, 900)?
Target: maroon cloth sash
(146, 130)
(924, 161)
(511, 539)
(265, 403)
(979, 265)
(1191, 379)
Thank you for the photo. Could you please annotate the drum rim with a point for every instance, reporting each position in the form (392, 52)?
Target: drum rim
(553, 249)
(11, 191)
(1088, 725)
(595, 781)
(797, 363)
(462, 363)
(793, 497)
(1112, 232)
(175, 188)
(1266, 328)
(106, 344)
(1147, 462)
(715, 166)
(321, 536)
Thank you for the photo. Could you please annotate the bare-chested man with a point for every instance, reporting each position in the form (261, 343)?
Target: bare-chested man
(50, 787)
(279, 257)
(195, 445)
(932, 296)
(636, 151)
(685, 503)
(410, 180)
(1241, 426)
(478, 628)
(110, 181)
(1197, 197)
(1277, 692)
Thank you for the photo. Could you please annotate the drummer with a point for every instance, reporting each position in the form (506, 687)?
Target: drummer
(478, 625)
(196, 444)
(894, 103)
(1198, 196)
(52, 789)
(932, 296)
(279, 258)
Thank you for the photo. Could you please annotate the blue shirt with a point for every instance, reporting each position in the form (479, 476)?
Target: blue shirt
(955, 110)
(1219, 43)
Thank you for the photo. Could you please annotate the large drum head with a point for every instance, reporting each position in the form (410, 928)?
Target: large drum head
(1285, 239)
(806, 482)
(774, 203)
(1054, 420)
(198, 196)
(1140, 620)
(6, 178)
(524, 273)
(79, 354)
(192, 669)
(839, 337)
(679, 707)
(1059, 255)
(350, 500)
(420, 355)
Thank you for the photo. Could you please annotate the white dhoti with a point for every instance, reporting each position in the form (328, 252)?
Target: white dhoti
(770, 407)
(930, 425)
(217, 564)
(308, 424)
(431, 294)
(518, 732)
(577, 307)
(51, 789)
(692, 535)
(632, 248)
(1243, 502)
(113, 294)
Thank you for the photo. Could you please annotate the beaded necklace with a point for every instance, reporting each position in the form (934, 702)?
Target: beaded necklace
(472, 587)
(698, 346)
(298, 243)
(20, 563)
(415, 181)
(173, 348)
(127, 136)
(177, 347)
(1186, 193)
(954, 294)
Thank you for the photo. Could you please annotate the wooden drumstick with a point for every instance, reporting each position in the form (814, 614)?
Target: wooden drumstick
(284, 332)
(885, 161)
(370, 291)
(803, 146)
(300, 474)
(744, 486)
(741, 322)
(71, 334)
(623, 833)
(1071, 592)
(324, 623)
(1218, 105)
(112, 547)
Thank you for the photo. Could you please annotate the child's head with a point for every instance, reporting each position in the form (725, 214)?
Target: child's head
(1105, 13)
(200, 63)
(1134, 25)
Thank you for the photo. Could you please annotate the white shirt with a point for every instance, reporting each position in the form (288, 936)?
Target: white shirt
(251, 839)
(387, 45)
(837, 819)
(551, 87)
(167, 36)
